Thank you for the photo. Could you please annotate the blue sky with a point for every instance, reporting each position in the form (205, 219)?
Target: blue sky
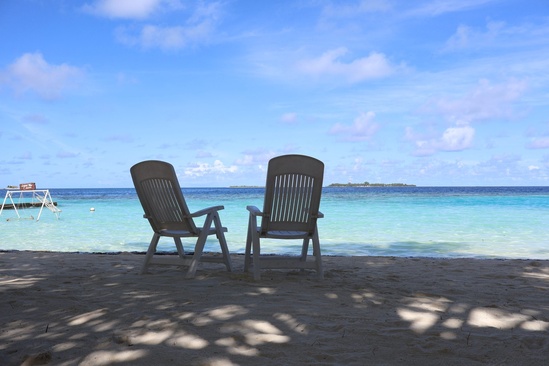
(426, 92)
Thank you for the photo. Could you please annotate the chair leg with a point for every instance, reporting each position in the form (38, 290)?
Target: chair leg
(150, 252)
(304, 250)
(199, 247)
(256, 253)
(223, 243)
(318, 255)
(247, 253)
(179, 246)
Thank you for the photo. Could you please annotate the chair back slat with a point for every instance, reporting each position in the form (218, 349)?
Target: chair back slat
(292, 198)
(292, 194)
(162, 201)
(160, 195)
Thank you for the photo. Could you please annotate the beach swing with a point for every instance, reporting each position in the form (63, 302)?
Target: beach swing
(290, 211)
(160, 195)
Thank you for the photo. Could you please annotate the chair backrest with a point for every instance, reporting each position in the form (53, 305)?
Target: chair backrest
(292, 194)
(160, 195)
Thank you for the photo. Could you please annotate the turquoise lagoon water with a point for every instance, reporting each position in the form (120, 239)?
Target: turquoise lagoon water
(479, 222)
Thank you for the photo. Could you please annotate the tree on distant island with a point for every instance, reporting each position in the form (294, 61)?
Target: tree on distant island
(368, 184)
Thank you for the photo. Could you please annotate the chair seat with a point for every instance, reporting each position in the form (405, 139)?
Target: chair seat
(184, 233)
(284, 234)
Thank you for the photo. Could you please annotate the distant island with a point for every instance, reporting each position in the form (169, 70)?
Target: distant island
(367, 184)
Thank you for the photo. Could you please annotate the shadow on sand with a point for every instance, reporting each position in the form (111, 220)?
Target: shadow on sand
(92, 309)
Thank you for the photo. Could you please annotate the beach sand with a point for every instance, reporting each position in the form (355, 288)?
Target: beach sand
(95, 309)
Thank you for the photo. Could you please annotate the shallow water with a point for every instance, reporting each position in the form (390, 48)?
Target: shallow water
(481, 222)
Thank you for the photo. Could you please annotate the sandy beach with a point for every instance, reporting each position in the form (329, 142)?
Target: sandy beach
(95, 309)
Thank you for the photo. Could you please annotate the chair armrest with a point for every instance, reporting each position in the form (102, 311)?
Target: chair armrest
(206, 211)
(320, 215)
(254, 211)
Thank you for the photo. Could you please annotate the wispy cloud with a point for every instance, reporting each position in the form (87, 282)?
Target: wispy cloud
(27, 155)
(290, 118)
(67, 154)
(126, 138)
(37, 119)
(354, 9)
(362, 129)
(129, 9)
(202, 169)
(439, 7)
(498, 35)
(467, 37)
(31, 73)
(486, 101)
(201, 154)
(331, 65)
(256, 157)
(151, 36)
(539, 143)
(199, 26)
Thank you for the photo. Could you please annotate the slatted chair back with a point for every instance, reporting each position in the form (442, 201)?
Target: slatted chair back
(292, 194)
(160, 195)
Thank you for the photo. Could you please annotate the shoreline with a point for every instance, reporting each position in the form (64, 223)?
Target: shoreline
(478, 258)
(95, 309)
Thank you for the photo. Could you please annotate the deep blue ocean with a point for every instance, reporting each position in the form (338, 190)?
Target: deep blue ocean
(476, 222)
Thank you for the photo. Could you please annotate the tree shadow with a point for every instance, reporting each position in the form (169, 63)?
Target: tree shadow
(83, 309)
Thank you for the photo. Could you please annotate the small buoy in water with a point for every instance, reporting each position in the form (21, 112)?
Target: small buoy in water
(92, 209)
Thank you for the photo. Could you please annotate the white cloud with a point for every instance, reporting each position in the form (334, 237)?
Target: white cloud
(289, 117)
(467, 37)
(247, 159)
(363, 128)
(457, 138)
(439, 7)
(539, 143)
(257, 157)
(452, 139)
(199, 27)
(349, 10)
(31, 73)
(151, 36)
(485, 102)
(125, 79)
(498, 35)
(129, 9)
(201, 169)
(329, 64)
